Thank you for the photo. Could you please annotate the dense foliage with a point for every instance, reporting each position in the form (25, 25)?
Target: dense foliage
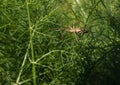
(35, 49)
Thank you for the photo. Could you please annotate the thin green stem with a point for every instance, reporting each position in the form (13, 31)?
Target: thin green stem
(24, 60)
(31, 44)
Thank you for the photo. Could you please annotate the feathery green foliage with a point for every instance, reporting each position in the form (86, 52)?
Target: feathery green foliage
(35, 49)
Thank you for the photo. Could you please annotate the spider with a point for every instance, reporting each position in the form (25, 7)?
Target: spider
(76, 30)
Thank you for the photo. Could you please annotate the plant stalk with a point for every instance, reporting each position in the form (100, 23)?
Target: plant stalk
(31, 44)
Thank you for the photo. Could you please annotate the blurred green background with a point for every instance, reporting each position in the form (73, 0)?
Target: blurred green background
(36, 50)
